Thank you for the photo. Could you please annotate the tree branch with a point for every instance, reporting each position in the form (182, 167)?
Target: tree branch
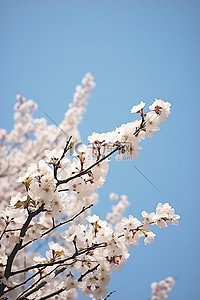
(27, 291)
(18, 246)
(84, 172)
(32, 291)
(87, 272)
(57, 165)
(24, 282)
(109, 295)
(60, 224)
(53, 294)
(6, 225)
(67, 221)
(93, 247)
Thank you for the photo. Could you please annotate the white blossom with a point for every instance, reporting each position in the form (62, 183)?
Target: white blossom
(51, 197)
(161, 108)
(161, 289)
(137, 108)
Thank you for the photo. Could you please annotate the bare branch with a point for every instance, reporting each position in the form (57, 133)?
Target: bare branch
(109, 295)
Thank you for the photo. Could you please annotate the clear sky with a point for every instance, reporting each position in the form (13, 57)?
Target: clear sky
(137, 50)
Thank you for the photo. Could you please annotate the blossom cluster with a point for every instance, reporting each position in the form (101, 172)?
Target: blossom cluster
(25, 144)
(161, 289)
(127, 136)
(118, 209)
(52, 198)
(31, 136)
(47, 181)
(94, 250)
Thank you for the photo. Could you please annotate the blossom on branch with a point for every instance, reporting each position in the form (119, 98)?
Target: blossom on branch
(57, 179)
(161, 289)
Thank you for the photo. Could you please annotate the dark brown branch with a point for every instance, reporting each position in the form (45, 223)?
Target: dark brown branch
(33, 290)
(109, 295)
(27, 291)
(87, 272)
(53, 294)
(57, 165)
(74, 242)
(56, 270)
(64, 190)
(24, 282)
(60, 224)
(63, 289)
(69, 220)
(93, 247)
(4, 230)
(18, 246)
(12, 230)
(84, 172)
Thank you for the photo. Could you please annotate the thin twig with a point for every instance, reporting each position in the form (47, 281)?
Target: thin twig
(53, 294)
(84, 172)
(87, 272)
(109, 295)
(57, 165)
(60, 224)
(4, 230)
(83, 251)
(27, 291)
(18, 246)
(24, 282)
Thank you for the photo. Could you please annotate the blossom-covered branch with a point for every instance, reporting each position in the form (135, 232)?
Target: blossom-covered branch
(161, 289)
(53, 197)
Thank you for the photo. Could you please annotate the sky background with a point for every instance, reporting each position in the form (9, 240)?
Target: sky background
(137, 50)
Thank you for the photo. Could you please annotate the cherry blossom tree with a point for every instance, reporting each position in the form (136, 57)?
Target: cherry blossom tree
(49, 184)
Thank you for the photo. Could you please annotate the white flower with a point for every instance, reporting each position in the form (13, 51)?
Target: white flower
(54, 155)
(149, 237)
(92, 219)
(34, 232)
(130, 223)
(137, 108)
(75, 232)
(148, 219)
(152, 122)
(13, 216)
(113, 196)
(58, 204)
(55, 246)
(161, 108)
(165, 213)
(170, 280)
(161, 289)
(42, 191)
(71, 283)
(3, 256)
(39, 260)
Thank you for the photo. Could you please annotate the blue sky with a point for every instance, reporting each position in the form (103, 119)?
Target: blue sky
(137, 50)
